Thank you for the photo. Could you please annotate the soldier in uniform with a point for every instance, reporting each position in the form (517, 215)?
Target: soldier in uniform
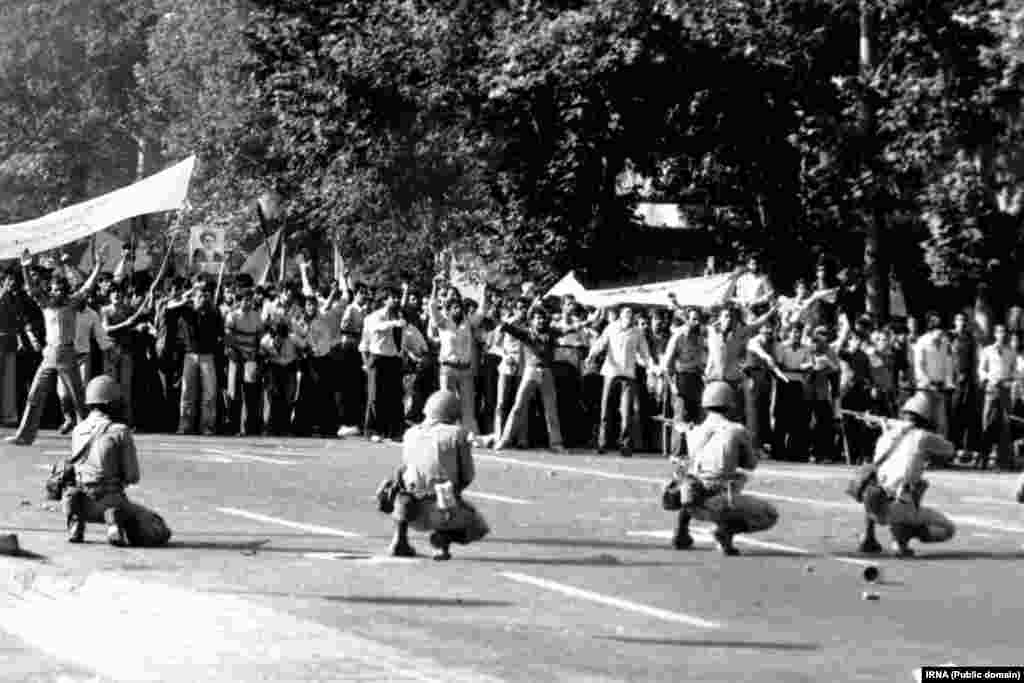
(719, 448)
(105, 462)
(901, 455)
(437, 466)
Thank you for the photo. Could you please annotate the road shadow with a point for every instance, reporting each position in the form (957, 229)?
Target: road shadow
(214, 545)
(961, 555)
(396, 600)
(567, 561)
(732, 644)
(580, 543)
(412, 601)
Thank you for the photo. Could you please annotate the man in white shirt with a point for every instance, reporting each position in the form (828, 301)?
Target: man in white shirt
(457, 336)
(934, 369)
(382, 345)
(754, 290)
(625, 345)
(792, 410)
(996, 367)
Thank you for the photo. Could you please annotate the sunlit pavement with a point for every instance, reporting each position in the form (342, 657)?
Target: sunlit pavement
(277, 572)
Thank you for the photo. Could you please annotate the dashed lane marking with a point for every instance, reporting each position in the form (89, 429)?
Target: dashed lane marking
(243, 456)
(611, 601)
(704, 535)
(499, 499)
(989, 501)
(312, 528)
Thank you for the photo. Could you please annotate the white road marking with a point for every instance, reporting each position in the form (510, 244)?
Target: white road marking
(242, 456)
(217, 637)
(568, 468)
(704, 534)
(313, 528)
(992, 524)
(611, 601)
(63, 451)
(497, 498)
(627, 501)
(44, 467)
(989, 501)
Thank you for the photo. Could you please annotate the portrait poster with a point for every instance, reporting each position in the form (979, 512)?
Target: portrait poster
(206, 249)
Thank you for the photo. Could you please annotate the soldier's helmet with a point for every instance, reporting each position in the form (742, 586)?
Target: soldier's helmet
(717, 395)
(443, 406)
(920, 405)
(102, 390)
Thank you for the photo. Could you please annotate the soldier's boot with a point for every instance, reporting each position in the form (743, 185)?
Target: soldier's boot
(440, 541)
(75, 519)
(682, 539)
(400, 546)
(723, 536)
(901, 536)
(115, 528)
(868, 543)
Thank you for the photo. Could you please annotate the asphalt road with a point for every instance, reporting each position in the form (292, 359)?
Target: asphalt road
(276, 572)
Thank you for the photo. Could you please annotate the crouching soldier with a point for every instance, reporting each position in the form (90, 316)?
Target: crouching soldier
(105, 462)
(437, 466)
(712, 484)
(894, 498)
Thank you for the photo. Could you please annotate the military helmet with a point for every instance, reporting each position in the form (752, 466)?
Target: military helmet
(919, 404)
(102, 390)
(443, 406)
(717, 395)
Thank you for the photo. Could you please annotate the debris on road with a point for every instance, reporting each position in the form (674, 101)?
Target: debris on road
(9, 544)
(26, 503)
(868, 595)
(872, 573)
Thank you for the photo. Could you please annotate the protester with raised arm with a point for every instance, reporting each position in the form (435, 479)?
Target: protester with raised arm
(59, 307)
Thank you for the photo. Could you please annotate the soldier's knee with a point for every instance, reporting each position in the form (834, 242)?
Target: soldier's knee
(937, 532)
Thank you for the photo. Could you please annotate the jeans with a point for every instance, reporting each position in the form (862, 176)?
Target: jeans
(121, 367)
(757, 392)
(462, 382)
(792, 422)
(9, 387)
(569, 387)
(995, 424)
(623, 389)
(245, 407)
(59, 364)
(686, 394)
(385, 414)
(84, 362)
(534, 379)
(964, 417)
(508, 386)
(279, 393)
(198, 379)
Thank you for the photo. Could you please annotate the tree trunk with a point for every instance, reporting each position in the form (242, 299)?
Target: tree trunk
(876, 265)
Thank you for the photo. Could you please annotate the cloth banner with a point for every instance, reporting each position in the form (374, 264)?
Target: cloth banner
(256, 264)
(700, 292)
(164, 191)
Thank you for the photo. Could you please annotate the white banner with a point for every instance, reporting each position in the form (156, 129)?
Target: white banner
(164, 191)
(701, 292)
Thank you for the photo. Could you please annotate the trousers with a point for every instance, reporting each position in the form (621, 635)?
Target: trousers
(743, 514)
(623, 389)
(534, 380)
(462, 382)
(198, 389)
(59, 364)
(142, 526)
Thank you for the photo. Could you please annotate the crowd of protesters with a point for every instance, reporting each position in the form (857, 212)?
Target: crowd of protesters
(343, 359)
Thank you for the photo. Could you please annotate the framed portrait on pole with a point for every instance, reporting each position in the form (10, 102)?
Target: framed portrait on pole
(207, 249)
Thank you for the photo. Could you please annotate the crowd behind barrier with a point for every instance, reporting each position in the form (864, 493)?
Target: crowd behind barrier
(343, 359)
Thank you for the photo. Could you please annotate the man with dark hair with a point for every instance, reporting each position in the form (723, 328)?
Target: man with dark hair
(352, 375)
(933, 369)
(201, 331)
(382, 349)
(539, 342)
(996, 370)
(59, 356)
